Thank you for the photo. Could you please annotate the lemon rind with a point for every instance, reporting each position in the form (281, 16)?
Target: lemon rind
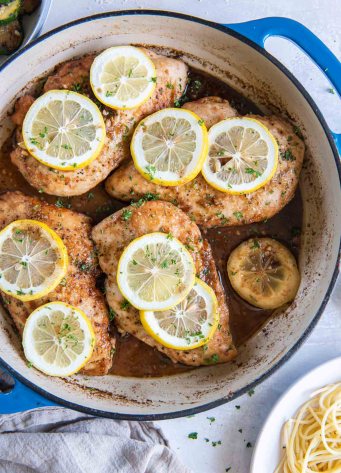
(194, 173)
(181, 297)
(64, 258)
(91, 331)
(116, 107)
(81, 165)
(155, 336)
(261, 184)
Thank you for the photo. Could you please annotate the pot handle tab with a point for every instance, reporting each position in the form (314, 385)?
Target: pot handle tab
(18, 397)
(259, 30)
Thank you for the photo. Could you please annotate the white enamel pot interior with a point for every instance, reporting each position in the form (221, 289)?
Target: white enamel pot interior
(252, 72)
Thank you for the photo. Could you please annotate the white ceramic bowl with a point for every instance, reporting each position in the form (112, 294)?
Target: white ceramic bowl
(257, 75)
(32, 24)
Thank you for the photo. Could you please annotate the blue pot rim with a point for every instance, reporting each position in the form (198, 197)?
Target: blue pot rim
(317, 316)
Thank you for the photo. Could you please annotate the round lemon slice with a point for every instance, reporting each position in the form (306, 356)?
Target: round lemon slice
(155, 272)
(169, 146)
(242, 156)
(264, 273)
(33, 259)
(58, 339)
(64, 130)
(187, 325)
(123, 77)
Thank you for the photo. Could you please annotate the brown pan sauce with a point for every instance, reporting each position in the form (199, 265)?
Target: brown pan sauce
(134, 358)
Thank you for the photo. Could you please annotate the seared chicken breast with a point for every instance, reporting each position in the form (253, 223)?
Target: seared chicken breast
(114, 233)
(79, 286)
(210, 207)
(74, 75)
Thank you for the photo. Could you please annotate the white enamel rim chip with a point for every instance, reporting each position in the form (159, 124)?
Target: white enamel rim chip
(267, 452)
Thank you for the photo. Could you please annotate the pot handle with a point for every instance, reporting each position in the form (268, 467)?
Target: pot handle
(259, 30)
(19, 397)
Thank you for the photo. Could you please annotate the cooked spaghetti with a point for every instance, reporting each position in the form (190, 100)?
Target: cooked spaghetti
(312, 440)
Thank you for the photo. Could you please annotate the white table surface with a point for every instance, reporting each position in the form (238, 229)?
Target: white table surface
(323, 17)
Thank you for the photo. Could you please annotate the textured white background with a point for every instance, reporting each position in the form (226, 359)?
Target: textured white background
(323, 17)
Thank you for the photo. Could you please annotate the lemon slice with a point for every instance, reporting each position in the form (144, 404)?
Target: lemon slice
(169, 146)
(242, 156)
(64, 130)
(155, 272)
(58, 339)
(264, 273)
(33, 259)
(187, 325)
(123, 77)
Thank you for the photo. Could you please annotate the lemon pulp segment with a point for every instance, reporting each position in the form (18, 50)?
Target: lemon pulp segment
(155, 272)
(189, 324)
(33, 259)
(169, 147)
(58, 339)
(242, 156)
(64, 130)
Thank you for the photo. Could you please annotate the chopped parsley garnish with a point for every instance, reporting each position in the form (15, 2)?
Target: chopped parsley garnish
(112, 314)
(253, 172)
(109, 93)
(211, 419)
(169, 85)
(222, 217)
(145, 198)
(77, 87)
(297, 131)
(249, 445)
(150, 171)
(43, 133)
(153, 79)
(85, 267)
(60, 204)
(251, 392)
(125, 304)
(255, 245)
(287, 155)
(331, 90)
(193, 435)
(34, 141)
(126, 214)
(238, 215)
(214, 444)
(201, 122)
(213, 359)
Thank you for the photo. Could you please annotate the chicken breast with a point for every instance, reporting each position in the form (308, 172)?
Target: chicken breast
(114, 233)
(79, 286)
(210, 207)
(74, 75)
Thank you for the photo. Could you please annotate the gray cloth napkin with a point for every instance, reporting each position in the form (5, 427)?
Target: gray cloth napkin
(57, 440)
